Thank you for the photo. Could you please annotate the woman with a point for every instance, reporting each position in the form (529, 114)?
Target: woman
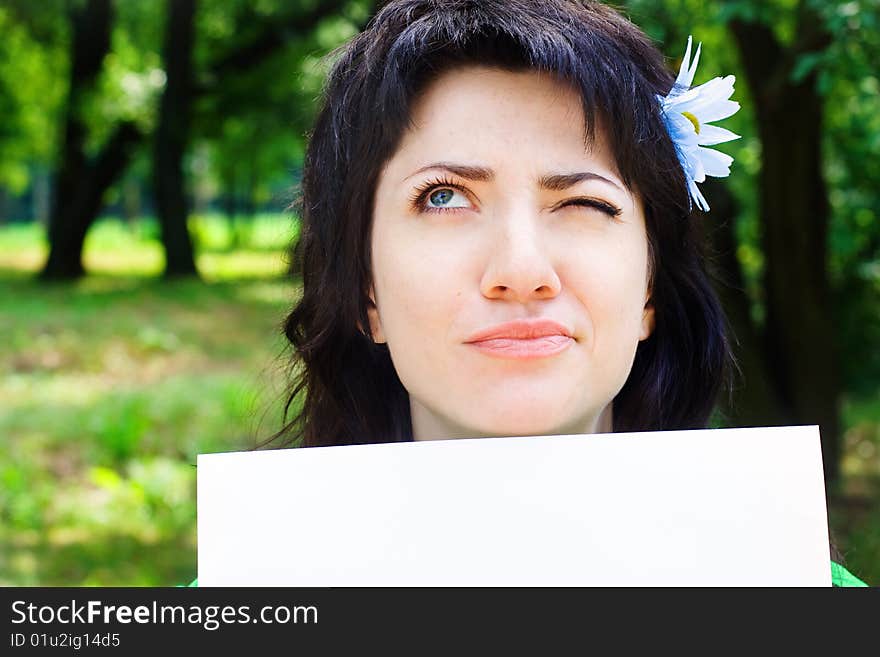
(499, 235)
(416, 62)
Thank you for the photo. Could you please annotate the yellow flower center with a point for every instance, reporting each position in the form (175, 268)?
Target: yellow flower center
(693, 119)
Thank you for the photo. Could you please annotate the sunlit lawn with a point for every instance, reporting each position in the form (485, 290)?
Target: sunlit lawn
(112, 385)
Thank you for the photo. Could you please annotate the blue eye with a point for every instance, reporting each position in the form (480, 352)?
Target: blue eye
(444, 197)
(441, 197)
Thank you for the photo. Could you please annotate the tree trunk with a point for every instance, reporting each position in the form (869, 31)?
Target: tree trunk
(798, 337)
(172, 136)
(754, 400)
(77, 193)
(75, 209)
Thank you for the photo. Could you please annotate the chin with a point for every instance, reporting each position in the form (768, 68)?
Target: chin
(518, 423)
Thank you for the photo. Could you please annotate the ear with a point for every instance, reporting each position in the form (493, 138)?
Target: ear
(647, 319)
(375, 322)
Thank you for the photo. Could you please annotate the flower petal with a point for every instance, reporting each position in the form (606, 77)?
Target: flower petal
(681, 81)
(717, 111)
(691, 163)
(698, 197)
(682, 129)
(697, 99)
(715, 163)
(687, 112)
(693, 69)
(711, 135)
(696, 168)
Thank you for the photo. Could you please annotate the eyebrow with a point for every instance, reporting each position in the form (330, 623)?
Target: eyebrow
(556, 182)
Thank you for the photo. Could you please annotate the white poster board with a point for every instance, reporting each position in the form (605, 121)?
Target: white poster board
(721, 507)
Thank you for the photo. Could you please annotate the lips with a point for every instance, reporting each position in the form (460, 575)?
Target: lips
(521, 329)
(523, 339)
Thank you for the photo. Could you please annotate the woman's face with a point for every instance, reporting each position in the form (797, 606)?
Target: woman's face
(492, 211)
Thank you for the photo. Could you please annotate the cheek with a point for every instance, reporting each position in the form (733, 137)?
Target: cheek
(609, 280)
(419, 286)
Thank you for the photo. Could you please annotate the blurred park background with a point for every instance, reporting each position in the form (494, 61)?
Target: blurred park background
(149, 150)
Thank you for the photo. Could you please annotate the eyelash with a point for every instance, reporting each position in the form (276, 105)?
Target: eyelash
(611, 210)
(420, 196)
(418, 200)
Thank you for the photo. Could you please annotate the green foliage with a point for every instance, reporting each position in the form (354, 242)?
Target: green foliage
(249, 119)
(250, 131)
(30, 98)
(132, 79)
(781, 15)
(850, 79)
(846, 74)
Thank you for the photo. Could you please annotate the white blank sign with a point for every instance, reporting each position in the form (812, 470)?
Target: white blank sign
(720, 507)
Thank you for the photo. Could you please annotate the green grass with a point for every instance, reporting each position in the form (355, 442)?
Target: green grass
(254, 249)
(111, 387)
(113, 384)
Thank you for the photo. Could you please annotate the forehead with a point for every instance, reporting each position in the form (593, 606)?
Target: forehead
(478, 112)
(498, 84)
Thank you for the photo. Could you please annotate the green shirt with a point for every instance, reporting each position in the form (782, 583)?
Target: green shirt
(840, 576)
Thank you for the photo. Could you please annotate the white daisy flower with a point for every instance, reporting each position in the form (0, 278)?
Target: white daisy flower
(687, 112)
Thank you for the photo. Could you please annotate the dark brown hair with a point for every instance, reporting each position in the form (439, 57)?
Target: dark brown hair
(351, 391)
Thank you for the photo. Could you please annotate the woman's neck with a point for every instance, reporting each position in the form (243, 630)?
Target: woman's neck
(428, 425)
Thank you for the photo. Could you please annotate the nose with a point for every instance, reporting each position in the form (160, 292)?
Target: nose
(519, 266)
